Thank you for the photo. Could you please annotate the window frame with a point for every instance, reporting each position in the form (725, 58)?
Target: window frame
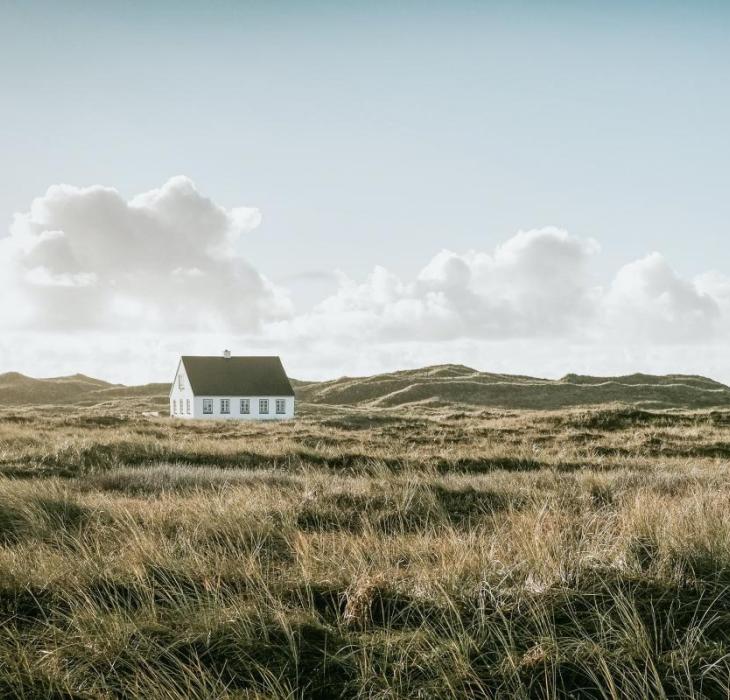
(244, 403)
(187, 406)
(208, 407)
(180, 381)
(280, 404)
(263, 407)
(225, 407)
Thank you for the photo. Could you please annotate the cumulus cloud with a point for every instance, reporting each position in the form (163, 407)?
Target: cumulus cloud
(715, 285)
(84, 258)
(648, 300)
(537, 283)
(129, 284)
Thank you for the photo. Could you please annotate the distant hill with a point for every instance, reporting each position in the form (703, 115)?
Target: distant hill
(457, 384)
(18, 390)
(441, 385)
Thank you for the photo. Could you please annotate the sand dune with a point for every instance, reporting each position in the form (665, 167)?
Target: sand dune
(428, 386)
(456, 384)
(19, 390)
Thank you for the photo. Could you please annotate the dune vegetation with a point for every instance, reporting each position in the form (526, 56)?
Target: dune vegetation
(445, 385)
(365, 553)
(425, 387)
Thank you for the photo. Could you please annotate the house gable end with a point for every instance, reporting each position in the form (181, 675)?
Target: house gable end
(174, 379)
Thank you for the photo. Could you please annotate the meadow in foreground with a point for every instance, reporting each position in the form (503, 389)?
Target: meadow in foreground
(365, 555)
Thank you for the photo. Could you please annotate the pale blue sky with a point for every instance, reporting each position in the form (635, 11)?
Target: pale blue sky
(372, 132)
(380, 133)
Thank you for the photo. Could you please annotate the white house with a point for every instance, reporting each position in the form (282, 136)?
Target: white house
(237, 388)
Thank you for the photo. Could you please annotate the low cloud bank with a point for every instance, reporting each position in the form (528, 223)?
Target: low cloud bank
(538, 284)
(535, 283)
(99, 281)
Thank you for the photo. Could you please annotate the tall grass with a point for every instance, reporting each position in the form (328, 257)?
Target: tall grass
(350, 555)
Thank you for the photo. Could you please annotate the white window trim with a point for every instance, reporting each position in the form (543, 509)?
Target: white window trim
(280, 404)
(225, 406)
(263, 403)
(208, 404)
(247, 404)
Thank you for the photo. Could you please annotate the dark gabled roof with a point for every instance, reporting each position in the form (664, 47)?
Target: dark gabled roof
(237, 376)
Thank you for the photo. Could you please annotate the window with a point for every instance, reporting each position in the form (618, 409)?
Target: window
(263, 405)
(280, 406)
(172, 407)
(180, 381)
(187, 405)
(225, 405)
(207, 405)
(245, 405)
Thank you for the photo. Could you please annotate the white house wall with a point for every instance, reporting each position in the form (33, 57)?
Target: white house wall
(177, 394)
(235, 408)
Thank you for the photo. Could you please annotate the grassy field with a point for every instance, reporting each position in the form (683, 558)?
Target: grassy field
(363, 553)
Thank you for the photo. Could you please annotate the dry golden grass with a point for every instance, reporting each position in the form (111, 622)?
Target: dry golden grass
(365, 555)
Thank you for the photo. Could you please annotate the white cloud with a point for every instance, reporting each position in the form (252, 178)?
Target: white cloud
(85, 258)
(716, 285)
(530, 305)
(93, 282)
(648, 300)
(535, 284)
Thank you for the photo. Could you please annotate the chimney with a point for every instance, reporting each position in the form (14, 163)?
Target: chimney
(227, 354)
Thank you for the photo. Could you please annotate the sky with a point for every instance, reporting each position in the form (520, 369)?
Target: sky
(525, 187)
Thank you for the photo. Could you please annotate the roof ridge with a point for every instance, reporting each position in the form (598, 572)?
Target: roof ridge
(232, 357)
